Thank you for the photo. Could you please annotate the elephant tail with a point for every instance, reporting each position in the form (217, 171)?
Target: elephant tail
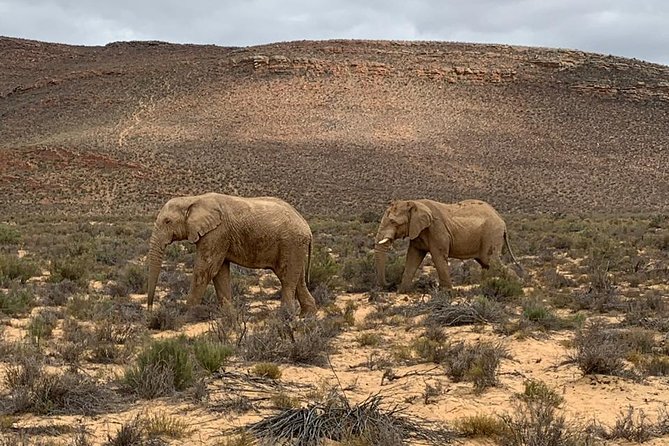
(508, 247)
(308, 270)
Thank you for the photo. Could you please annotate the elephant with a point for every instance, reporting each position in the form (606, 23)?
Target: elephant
(469, 229)
(259, 232)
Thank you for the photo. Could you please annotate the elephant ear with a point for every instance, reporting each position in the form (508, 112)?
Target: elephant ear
(202, 216)
(421, 218)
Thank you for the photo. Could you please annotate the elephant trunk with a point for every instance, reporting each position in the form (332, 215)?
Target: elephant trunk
(380, 263)
(154, 261)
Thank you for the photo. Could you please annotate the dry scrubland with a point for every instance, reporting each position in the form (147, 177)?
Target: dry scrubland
(575, 353)
(570, 146)
(336, 127)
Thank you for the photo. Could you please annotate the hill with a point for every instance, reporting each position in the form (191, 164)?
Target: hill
(335, 127)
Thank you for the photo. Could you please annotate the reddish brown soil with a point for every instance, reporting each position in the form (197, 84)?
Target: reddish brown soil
(334, 127)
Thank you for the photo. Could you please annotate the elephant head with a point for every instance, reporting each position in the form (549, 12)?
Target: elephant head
(402, 219)
(180, 218)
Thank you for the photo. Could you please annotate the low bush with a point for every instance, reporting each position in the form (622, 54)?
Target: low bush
(501, 288)
(281, 338)
(57, 294)
(537, 392)
(476, 363)
(480, 426)
(75, 269)
(283, 401)
(365, 423)
(267, 370)
(369, 339)
(541, 424)
(41, 325)
(599, 350)
(163, 425)
(324, 270)
(169, 315)
(32, 389)
(9, 234)
(13, 268)
(161, 368)
(442, 312)
(359, 274)
(16, 301)
(632, 425)
(211, 355)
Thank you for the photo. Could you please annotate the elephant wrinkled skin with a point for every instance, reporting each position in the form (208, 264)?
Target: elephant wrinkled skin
(469, 229)
(263, 232)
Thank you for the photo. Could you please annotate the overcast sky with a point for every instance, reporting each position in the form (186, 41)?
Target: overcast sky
(630, 28)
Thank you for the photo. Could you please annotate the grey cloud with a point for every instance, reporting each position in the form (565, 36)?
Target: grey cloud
(632, 29)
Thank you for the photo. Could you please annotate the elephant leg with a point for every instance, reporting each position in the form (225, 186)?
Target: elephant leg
(222, 283)
(289, 277)
(440, 260)
(413, 260)
(202, 274)
(304, 297)
(485, 264)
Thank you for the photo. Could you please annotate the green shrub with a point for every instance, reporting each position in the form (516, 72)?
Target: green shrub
(14, 268)
(133, 276)
(476, 363)
(75, 269)
(430, 350)
(163, 425)
(211, 355)
(161, 368)
(536, 391)
(324, 269)
(9, 235)
(169, 315)
(359, 274)
(480, 426)
(17, 300)
(41, 325)
(501, 288)
(267, 370)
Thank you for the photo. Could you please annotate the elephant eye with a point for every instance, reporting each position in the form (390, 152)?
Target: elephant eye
(167, 221)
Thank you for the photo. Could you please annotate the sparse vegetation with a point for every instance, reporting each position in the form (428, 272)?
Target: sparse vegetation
(477, 363)
(365, 423)
(267, 370)
(41, 325)
(211, 355)
(33, 389)
(103, 326)
(17, 300)
(599, 350)
(13, 268)
(306, 341)
(161, 368)
(480, 426)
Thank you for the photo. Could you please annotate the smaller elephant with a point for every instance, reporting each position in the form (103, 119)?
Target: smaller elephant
(470, 229)
(262, 232)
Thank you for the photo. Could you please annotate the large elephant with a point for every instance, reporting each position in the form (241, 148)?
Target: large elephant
(263, 232)
(470, 229)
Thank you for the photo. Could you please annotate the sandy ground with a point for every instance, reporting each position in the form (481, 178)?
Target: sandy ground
(543, 357)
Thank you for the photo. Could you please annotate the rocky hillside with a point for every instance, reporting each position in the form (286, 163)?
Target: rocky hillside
(336, 127)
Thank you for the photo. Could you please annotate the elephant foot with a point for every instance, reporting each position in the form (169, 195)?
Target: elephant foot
(308, 311)
(404, 289)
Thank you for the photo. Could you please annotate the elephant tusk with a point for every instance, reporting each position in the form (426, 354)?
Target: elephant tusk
(384, 241)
